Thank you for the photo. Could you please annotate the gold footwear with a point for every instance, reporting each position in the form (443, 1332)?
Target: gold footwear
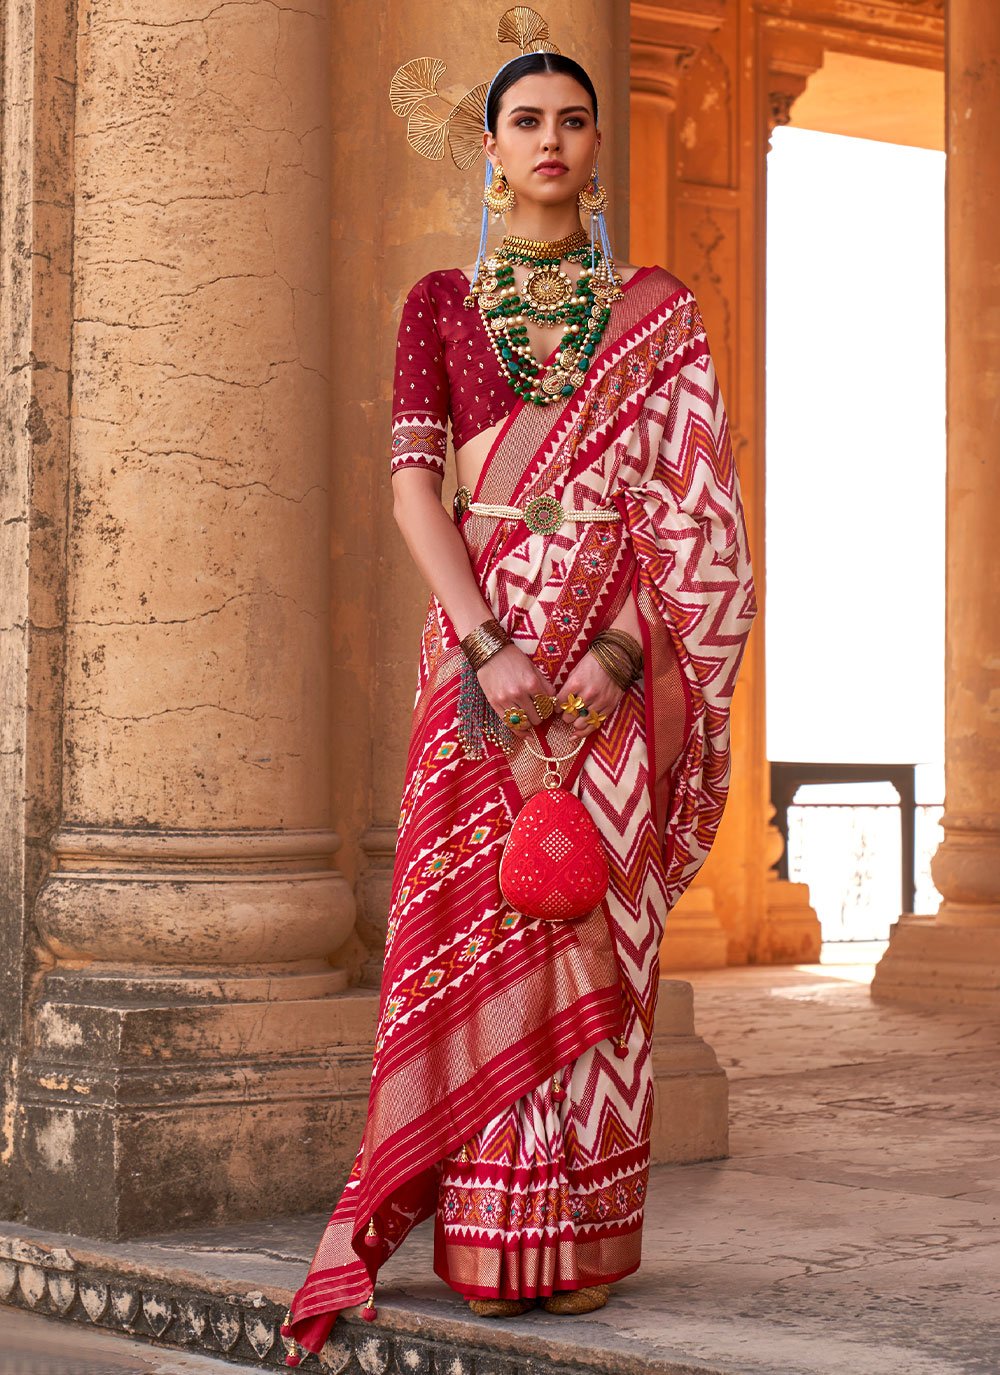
(500, 1308)
(578, 1300)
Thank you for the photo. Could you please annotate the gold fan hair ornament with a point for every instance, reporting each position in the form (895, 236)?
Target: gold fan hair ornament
(459, 128)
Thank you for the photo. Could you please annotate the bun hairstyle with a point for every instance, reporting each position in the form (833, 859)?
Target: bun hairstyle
(530, 64)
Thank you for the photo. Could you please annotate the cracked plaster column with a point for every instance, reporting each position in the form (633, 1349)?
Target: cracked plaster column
(954, 957)
(184, 1062)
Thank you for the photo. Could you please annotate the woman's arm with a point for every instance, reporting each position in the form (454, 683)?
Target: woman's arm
(437, 547)
(628, 618)
(509, 677)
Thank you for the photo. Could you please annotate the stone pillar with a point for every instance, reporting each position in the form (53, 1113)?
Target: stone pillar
(182, 1064)
(790, 932)
(954, 957)
(36, 256)
(703, 103)
(691, 1102)
(663, 49)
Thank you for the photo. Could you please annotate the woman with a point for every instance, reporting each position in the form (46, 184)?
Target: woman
(512, 1086)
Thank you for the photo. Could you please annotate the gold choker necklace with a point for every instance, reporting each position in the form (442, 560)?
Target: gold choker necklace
(545, 248)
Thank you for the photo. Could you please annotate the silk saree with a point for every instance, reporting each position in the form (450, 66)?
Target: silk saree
(512, 1086)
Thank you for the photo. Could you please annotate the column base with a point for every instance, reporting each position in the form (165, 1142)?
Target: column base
(693, 938)
(155, 1100)
(151, 1103)
(374, 899)
(929, 963)
(691, 1090)
(791, 932)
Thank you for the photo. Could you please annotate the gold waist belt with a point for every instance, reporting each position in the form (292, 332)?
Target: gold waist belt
(542, 515)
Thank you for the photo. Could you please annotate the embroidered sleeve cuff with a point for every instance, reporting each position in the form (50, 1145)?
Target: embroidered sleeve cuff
(419, 442)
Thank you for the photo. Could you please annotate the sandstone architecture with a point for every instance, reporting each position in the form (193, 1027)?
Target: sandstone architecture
(208, 621)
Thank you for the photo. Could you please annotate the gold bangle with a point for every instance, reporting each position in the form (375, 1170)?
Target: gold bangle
(482, 652)
(622, 638)
(616, 670)
(613, 652)
(622, 648)
(483, 641)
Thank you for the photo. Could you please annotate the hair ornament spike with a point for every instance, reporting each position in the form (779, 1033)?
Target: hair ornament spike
(414, 82)
(460, 129)
(427, 131)
(525, 27)
(465, 127)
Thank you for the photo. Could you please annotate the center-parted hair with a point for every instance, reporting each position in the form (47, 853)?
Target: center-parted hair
(530, 64)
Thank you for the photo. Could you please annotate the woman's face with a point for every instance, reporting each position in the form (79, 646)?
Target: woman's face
(546, 138)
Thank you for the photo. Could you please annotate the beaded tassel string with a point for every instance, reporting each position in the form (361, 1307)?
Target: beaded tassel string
(478, 720)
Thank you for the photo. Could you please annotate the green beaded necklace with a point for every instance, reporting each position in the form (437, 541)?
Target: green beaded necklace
(549, 298)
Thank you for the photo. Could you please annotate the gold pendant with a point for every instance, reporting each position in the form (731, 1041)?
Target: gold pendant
(548, 288)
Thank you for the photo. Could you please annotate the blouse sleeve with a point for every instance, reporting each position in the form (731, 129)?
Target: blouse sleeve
(420, 388)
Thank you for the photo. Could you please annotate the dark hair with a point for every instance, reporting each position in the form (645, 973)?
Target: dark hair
(529, 64)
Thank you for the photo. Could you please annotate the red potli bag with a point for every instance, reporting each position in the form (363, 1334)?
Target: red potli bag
(553, 865)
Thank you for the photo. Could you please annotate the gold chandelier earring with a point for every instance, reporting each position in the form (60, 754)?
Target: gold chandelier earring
(593, 195)
(498, 196)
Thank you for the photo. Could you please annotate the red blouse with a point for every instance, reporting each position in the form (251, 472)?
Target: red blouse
(445, 366)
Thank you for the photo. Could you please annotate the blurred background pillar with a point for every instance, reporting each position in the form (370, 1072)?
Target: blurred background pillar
(954, 957)
(701, 117)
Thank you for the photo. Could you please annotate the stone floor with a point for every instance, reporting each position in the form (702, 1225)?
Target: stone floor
(855, 1226)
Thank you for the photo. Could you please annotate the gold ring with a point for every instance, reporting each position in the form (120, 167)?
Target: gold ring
(575, 704)
(544, 704)
(515, 716)
(595, 717)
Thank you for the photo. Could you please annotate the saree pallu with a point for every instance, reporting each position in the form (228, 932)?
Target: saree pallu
(486, 1017)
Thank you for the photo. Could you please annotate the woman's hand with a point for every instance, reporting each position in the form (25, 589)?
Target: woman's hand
(591, 681)
(510, 679)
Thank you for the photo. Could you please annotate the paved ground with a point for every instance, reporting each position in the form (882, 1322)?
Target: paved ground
(855, 1228)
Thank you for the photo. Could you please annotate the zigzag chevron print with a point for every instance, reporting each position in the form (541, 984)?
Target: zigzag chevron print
(549, 1193)
(512, 1085)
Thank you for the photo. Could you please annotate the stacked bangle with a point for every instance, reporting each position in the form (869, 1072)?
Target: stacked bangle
(620, 654)
(484, 641)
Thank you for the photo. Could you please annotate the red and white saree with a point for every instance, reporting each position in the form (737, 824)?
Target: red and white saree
(481, 1008)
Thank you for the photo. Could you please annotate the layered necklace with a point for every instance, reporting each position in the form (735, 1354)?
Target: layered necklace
(549, 297)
